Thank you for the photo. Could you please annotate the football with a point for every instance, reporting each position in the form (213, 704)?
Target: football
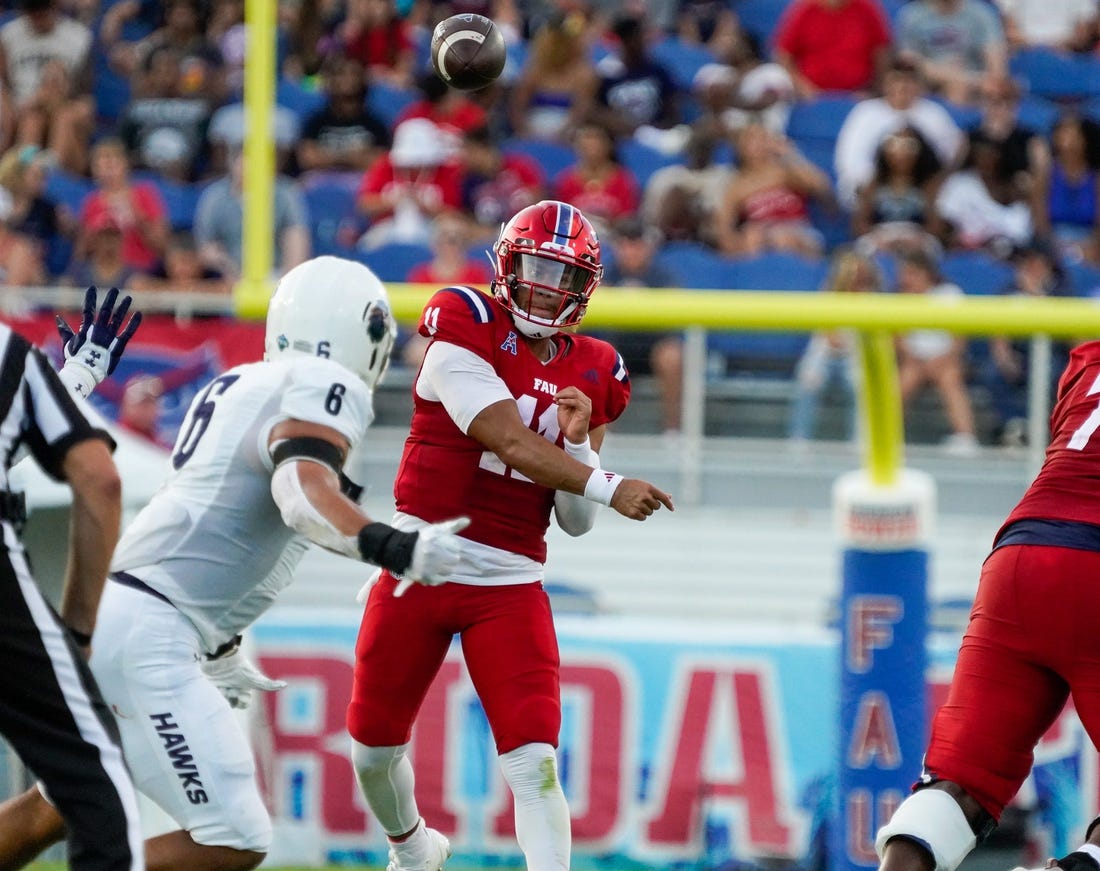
(468, 51)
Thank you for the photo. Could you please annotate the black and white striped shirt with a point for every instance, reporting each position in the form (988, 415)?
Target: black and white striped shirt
(36, 409)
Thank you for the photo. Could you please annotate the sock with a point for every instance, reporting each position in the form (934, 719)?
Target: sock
(542, 814)
(386, 781)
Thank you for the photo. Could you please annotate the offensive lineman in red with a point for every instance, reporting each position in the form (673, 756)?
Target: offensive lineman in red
(509, 412)
(1031, 643)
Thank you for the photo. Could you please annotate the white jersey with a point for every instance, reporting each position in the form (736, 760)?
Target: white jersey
(212, 540)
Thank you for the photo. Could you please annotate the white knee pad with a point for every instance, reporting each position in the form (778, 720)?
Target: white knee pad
(934, 820)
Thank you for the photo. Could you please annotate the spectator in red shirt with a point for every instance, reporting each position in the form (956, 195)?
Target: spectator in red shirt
(137, 207)
(496, 185)
(374, 34)
(832, 45)
(448, 108)
(597, 183)
(406, 188)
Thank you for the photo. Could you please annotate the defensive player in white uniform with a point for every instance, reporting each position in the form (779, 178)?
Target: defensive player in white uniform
(255, 478)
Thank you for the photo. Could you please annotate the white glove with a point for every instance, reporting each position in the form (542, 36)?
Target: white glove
(236, 677)
(435, 554)
(92, 352)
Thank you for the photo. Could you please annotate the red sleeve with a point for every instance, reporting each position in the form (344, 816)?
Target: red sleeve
(377, 177)
(787, 31)
(450, 185)
(880, 25)
(527, 171)
(567, 186)
(420, 274)
(461, 316)
(93, 204)
(148, 202)
(625, 187)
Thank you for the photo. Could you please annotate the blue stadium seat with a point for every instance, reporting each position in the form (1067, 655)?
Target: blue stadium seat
(553, 157)
(1084, 279)
(1038, 114)
(760, 17)
(681, 59)
(967, 117)
(392, 262)
(387, 102)
(777, 271)
(695, 265)
(813, 127)
(180, 200)
(333, 218)
(976, 272)
(302, 101)
(820, 152)
(111, 92)
(642, 160)
(821, 118)
(67, 190)
(1056, 76)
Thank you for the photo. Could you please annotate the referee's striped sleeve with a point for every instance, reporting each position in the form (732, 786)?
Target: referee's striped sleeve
(56, 422)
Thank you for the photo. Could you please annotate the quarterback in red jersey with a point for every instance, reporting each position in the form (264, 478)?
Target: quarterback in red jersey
(509, 412)
(1030, 645)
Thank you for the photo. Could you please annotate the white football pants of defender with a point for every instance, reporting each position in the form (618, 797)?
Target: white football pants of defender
(182, 741)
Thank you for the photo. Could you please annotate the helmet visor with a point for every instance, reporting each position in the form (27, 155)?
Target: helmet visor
(547, 272)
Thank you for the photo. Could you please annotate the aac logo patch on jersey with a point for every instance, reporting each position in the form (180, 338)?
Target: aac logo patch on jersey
(510, 344)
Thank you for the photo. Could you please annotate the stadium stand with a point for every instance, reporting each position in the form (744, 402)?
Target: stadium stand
(1057, 76)
(977, 273)
(553, 157)
(392, 262)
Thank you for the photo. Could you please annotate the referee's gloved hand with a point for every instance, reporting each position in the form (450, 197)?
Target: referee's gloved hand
(92, 352)
(236, 677)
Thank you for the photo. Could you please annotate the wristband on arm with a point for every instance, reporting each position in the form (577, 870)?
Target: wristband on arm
(601, 486)
(390, 548)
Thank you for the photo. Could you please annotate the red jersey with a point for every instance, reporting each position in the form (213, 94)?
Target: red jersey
(834, 46)
(1068, 485)
(445, 473)
(613, 198)
(146, 207)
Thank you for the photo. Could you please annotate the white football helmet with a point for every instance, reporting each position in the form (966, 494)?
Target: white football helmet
(336, 308)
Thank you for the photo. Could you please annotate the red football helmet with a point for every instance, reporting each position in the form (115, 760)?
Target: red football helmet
(551, 251)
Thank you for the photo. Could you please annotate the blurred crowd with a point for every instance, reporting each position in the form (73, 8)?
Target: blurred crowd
(925, 146)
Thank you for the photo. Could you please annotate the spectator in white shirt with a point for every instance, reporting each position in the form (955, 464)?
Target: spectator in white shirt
(902, 104)
(1065, 25)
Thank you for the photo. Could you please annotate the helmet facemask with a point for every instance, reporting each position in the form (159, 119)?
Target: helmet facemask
(382, 334)
(545, 290)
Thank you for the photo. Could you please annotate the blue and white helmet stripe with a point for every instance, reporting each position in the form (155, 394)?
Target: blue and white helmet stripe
(563, 226)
